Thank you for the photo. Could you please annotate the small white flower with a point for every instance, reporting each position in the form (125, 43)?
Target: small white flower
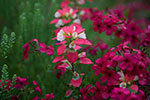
(82, 35)
(77, 21)
(60, 36)
(59, 23)
(82, 12)
(57, 14)
(82, 54)
(64, 61)
(122, 78)
(71, 10)
(74, 35)
(67, 14)
(74, 16)
(72, 45)
(123, 84)
(136, 78)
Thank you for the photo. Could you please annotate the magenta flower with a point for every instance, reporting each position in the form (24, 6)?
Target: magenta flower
(110, 28)
(38, 89)
(102, 46)
(35, 98)
(98, 26)
(27, 48)
(133, 97)
(49, 50)
(21, 82)
(50, 96)
(111, 76)
(120, 93)
(26, 51)
(119, 13)
(65, 3)
(100, 91)
(65, 15)
(127, 62)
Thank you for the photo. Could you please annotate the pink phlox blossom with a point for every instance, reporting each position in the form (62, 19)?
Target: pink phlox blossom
(21, 82)
(49, 50)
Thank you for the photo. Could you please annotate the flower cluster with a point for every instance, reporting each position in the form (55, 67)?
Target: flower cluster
(65, 16)
(115, 22)
(70, 38)
(93, 49)
(123, 70)
(37, 47)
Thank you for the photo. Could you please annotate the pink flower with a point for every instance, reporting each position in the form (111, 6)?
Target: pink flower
(135, 88)
(36, 98)
(110, 28)
(74, 31)
(77, 82)
(64, 15)
(27, 48)
(38, 87)
(98, 26)
(83, 59)
(133, 97)
(81, 2)
(100, 91)
(120, 93)
(111, 76)
(127, 62)
(119, 13)
(102, 46)
(26, 51)
(21, 82)
(85, 13)
(49, 50)
(65, 3)
(48, 96)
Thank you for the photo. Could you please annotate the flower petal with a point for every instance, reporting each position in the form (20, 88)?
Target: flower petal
(82, 41)
(85, 61)
(61, 49)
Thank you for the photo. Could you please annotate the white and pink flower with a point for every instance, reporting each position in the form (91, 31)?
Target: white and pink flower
(64, 16)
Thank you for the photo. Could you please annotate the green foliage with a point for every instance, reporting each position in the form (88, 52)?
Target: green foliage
(5, 75)
(7, 43)
(4, 93)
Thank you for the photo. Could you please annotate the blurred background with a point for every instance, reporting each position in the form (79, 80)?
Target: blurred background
(30, 19)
